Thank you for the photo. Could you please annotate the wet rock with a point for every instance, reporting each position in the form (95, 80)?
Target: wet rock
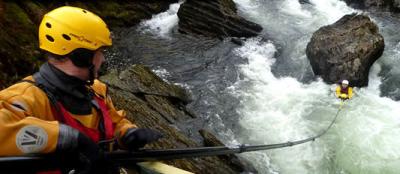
(214, 18)
(385, 5)
(237, 41)
(304, 1)
(346, 50)
(128, 90)
(139, 79)
(390, 87)
(19, 21)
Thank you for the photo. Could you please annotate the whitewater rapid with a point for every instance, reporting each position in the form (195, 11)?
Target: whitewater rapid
(366, 135)
(278, 102)
(162, 24)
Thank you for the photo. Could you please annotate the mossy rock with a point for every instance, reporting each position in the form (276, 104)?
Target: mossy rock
(140, 79)
(152, 103)
(18, 43)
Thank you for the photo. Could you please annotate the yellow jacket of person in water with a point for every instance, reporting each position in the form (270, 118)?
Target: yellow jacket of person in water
(344, 91)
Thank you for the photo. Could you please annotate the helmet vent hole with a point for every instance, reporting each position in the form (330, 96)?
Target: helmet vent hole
(84, 11)
(48, 25)
(66, 37)
(51, 39)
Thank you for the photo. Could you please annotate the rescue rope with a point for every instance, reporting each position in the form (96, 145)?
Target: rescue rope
(342, 102)
(125, 158)
(288, 144)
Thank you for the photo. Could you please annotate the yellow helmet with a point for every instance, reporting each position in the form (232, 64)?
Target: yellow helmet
(67, 28)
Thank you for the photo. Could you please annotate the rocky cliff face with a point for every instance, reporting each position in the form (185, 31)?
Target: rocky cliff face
(346, 50)
(150, 102)
(19, 20)
(215, 18)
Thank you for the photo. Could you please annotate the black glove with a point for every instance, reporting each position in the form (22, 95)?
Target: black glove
(136, 138)
(79, 152)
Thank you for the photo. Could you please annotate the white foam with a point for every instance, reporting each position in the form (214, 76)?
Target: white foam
(162, 72)
(293, 7)
(331, 10)
(163, 23)
(273, 109)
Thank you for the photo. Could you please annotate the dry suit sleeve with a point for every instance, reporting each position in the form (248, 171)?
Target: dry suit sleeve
(23, 134)
(119, 119)
(350, 92)
(338, 91)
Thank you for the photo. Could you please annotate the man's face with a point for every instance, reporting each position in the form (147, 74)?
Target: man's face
(344, 85)
(98, 60)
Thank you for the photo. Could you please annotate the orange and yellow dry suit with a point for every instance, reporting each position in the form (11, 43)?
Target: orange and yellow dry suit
(344, 93)
(24, 106)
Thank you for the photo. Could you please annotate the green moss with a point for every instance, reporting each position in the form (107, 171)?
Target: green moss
(15, 14)
(35, 10)
(117, 14)
(18, 43)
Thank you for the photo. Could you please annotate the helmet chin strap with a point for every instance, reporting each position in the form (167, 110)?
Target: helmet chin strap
(90, 81)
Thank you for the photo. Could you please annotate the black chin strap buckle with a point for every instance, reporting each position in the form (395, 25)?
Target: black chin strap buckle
(90, 81)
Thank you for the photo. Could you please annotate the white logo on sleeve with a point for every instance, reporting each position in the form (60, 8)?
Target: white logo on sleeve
(31, 139)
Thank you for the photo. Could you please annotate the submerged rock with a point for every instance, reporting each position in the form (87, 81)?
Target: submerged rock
(152, 103)
(346, 50)
(304, 1)
(214, 18)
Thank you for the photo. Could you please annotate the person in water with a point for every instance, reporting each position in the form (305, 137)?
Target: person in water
(344, 91)
(63, 108)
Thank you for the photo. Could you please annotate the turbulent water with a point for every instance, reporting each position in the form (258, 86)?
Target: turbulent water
(265, 92)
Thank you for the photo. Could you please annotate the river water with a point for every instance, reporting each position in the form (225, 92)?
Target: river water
(265, 92)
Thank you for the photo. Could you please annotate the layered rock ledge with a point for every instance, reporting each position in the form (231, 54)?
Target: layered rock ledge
(152, 103)
(214, 18)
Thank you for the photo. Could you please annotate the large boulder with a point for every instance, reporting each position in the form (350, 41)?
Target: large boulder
(214, 18)
(346, 50)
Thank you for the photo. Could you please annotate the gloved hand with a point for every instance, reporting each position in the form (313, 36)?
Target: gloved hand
(136, 138)
(343, 96)
(79, 152)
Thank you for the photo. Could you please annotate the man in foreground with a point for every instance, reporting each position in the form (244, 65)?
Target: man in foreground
(62, 108)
